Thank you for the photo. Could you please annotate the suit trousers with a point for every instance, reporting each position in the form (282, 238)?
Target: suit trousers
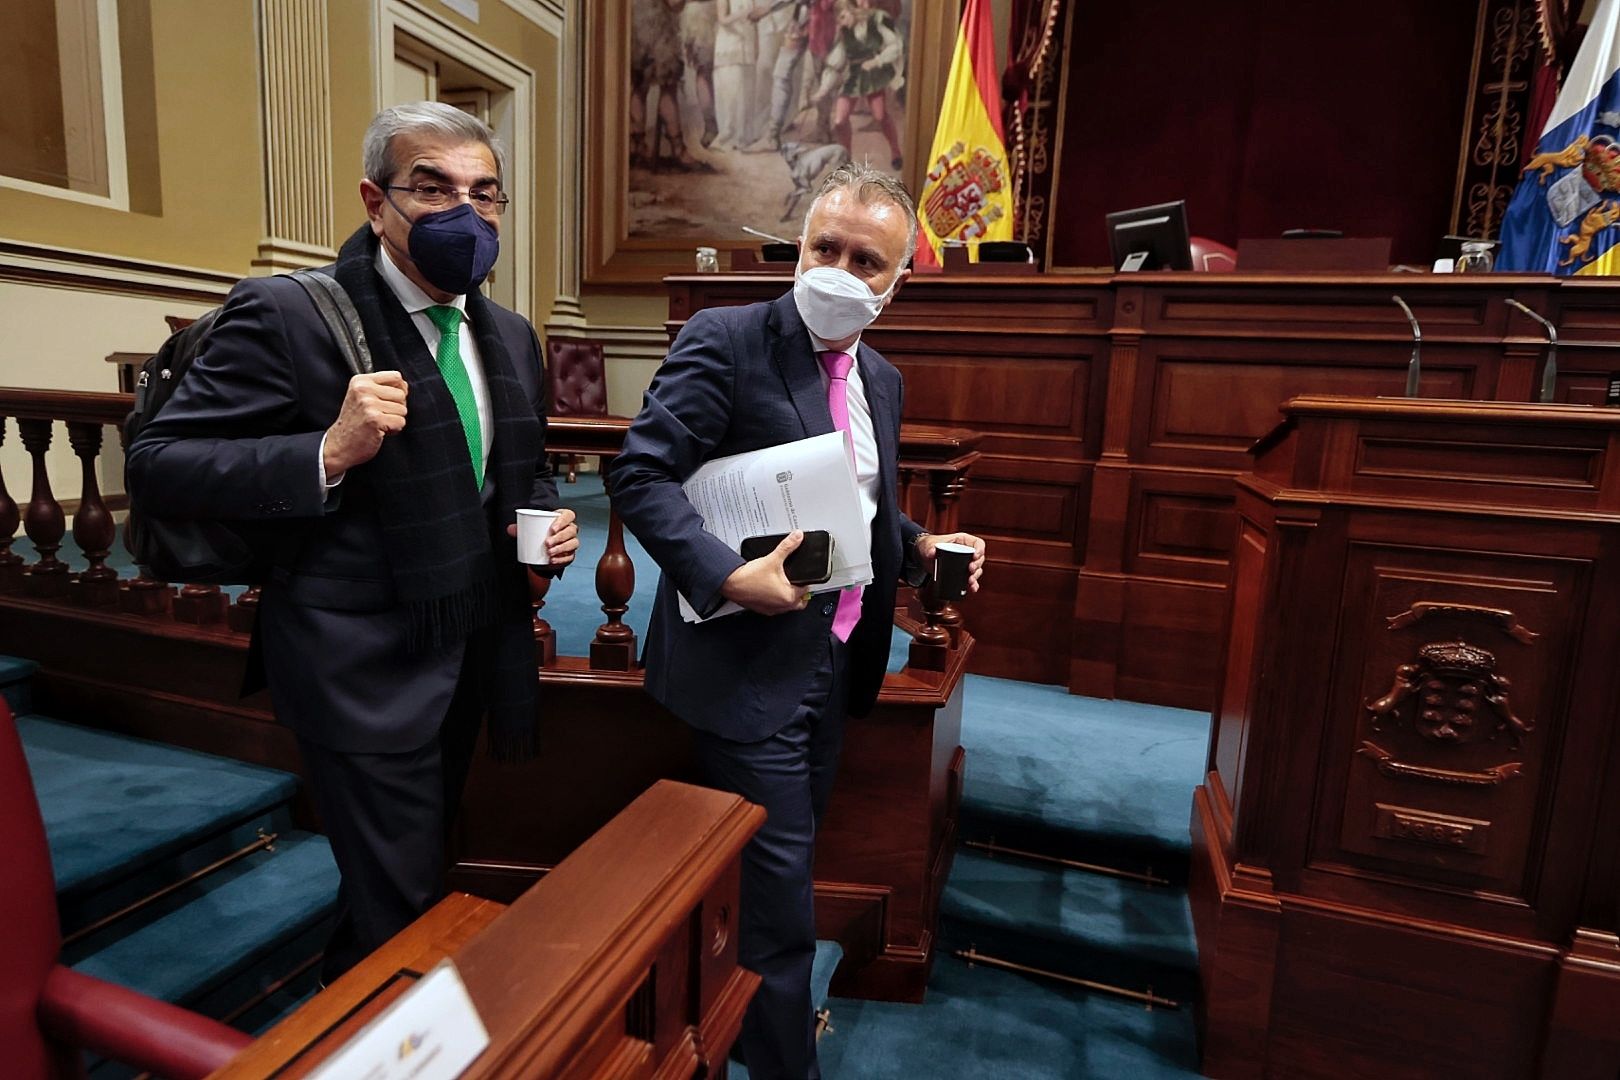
(790, 774)
(388, 818)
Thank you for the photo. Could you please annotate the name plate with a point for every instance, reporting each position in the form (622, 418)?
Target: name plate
(431, 1033)
(1428, 827)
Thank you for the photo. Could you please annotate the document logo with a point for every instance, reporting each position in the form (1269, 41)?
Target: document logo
(784, 476)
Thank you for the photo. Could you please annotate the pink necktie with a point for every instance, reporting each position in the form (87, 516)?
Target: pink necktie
(838, 365)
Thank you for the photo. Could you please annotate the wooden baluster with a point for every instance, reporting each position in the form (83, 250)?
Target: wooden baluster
(545, 638)
(614, 648)
(10, 561)
(931, 643)
(241, 615)
(93, 528)
(43, 520)
(945, 491)
(200, 605)
(145, 595)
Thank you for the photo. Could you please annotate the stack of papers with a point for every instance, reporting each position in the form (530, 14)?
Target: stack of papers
(809, 484)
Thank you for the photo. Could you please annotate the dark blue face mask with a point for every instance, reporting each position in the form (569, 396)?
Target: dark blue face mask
(455, 249)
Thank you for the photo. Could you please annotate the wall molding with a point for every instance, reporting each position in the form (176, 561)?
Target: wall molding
(512, 119)
(548, 15)
(95, 271)
(296, 131)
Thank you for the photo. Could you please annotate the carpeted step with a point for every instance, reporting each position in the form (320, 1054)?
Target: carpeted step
(222, 926)
(1094, 781)
(979, 1023)
(1089, 926)
(115, 805)
(15, 676)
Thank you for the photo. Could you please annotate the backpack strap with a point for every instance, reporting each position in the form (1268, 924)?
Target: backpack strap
(341, 318)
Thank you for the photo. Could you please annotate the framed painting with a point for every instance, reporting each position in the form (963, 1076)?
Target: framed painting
(705, 116)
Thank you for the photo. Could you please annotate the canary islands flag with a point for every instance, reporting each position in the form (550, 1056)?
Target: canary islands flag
(967, 194)
(1562, 218)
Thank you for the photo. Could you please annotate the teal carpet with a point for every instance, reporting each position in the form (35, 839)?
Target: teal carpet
(1099, 782)
(983, 1024)
(113, 804)
(1044, 765)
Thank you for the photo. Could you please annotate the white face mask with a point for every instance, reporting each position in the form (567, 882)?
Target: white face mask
(834, 303)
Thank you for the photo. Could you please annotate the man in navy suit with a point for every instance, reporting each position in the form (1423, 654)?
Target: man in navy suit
(397, 613)
(767, 690)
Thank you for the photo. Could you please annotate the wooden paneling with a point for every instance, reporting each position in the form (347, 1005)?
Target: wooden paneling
(1413, 782)
(1428, 1022)
(1116, 412)
(623, 962)
(884, 850)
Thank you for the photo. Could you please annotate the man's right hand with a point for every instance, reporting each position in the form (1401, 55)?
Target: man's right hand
(373, 409)
(761, 585)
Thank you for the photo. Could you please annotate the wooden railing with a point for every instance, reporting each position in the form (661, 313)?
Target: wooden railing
(621, 962)
(934, 467)
(157, 661)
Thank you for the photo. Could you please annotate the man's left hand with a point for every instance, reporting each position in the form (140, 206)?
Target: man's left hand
(926, 545)
(562, 542)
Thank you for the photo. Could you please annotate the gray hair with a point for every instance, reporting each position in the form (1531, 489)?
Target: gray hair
(869, 184)
(429, 117)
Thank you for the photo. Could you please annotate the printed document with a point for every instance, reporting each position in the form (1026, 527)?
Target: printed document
(809, 484)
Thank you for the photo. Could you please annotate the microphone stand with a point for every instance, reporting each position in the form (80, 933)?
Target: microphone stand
(1549, 374)
(1414, 367)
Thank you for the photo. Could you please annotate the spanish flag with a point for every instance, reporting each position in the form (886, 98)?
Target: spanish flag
(967, 194)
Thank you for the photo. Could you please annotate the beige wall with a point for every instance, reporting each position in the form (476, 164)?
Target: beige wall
(197, 177)
(192, 135)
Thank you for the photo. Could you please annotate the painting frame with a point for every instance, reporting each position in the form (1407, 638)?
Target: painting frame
(612, 257)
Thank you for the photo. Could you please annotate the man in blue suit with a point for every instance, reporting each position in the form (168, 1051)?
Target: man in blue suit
(767, 690)
(397, 613)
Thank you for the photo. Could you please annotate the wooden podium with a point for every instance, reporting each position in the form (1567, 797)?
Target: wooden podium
(622, 962)
(1407, 848)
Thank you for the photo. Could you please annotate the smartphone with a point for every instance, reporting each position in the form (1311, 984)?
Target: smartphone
(810, 563)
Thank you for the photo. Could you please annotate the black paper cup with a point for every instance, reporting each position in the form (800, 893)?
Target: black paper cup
(951, 570)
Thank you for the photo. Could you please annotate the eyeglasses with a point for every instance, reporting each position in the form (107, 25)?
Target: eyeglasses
(488, 200)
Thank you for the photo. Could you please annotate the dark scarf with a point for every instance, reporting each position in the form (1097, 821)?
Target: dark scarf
(436, 533)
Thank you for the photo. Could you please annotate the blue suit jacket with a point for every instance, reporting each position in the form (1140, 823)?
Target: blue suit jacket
(240, 441)
(739, 379)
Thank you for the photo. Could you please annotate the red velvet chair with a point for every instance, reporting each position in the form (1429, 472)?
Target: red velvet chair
(578, 382)
(1210, 254)
(49, 1012)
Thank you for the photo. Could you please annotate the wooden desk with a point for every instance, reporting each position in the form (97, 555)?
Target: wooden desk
(622, 962)
(1405, 859)
(1117, 410)
(321, 1025)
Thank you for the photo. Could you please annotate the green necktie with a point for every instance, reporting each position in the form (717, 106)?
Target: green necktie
(448, 320)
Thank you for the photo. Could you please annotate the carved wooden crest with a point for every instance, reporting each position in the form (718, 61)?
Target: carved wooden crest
(1453, 695)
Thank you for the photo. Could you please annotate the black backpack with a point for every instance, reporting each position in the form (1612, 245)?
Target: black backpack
(206, 551)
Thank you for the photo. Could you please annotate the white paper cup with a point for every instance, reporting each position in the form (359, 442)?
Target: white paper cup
(533, 527)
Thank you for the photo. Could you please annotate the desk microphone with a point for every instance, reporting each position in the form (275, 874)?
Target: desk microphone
(1549, 374)
(1414, 366)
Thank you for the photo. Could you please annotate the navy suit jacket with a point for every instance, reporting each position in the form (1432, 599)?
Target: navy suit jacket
(739, 379)
(240, 441)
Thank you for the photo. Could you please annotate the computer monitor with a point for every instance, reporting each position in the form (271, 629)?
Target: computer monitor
(1150, 237)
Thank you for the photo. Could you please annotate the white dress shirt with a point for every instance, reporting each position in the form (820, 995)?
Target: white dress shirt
(862, 433)
(416, 302)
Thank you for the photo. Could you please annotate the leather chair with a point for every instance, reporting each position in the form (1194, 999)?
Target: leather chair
(1210, 254)
(49, 1012)
(578, 382)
